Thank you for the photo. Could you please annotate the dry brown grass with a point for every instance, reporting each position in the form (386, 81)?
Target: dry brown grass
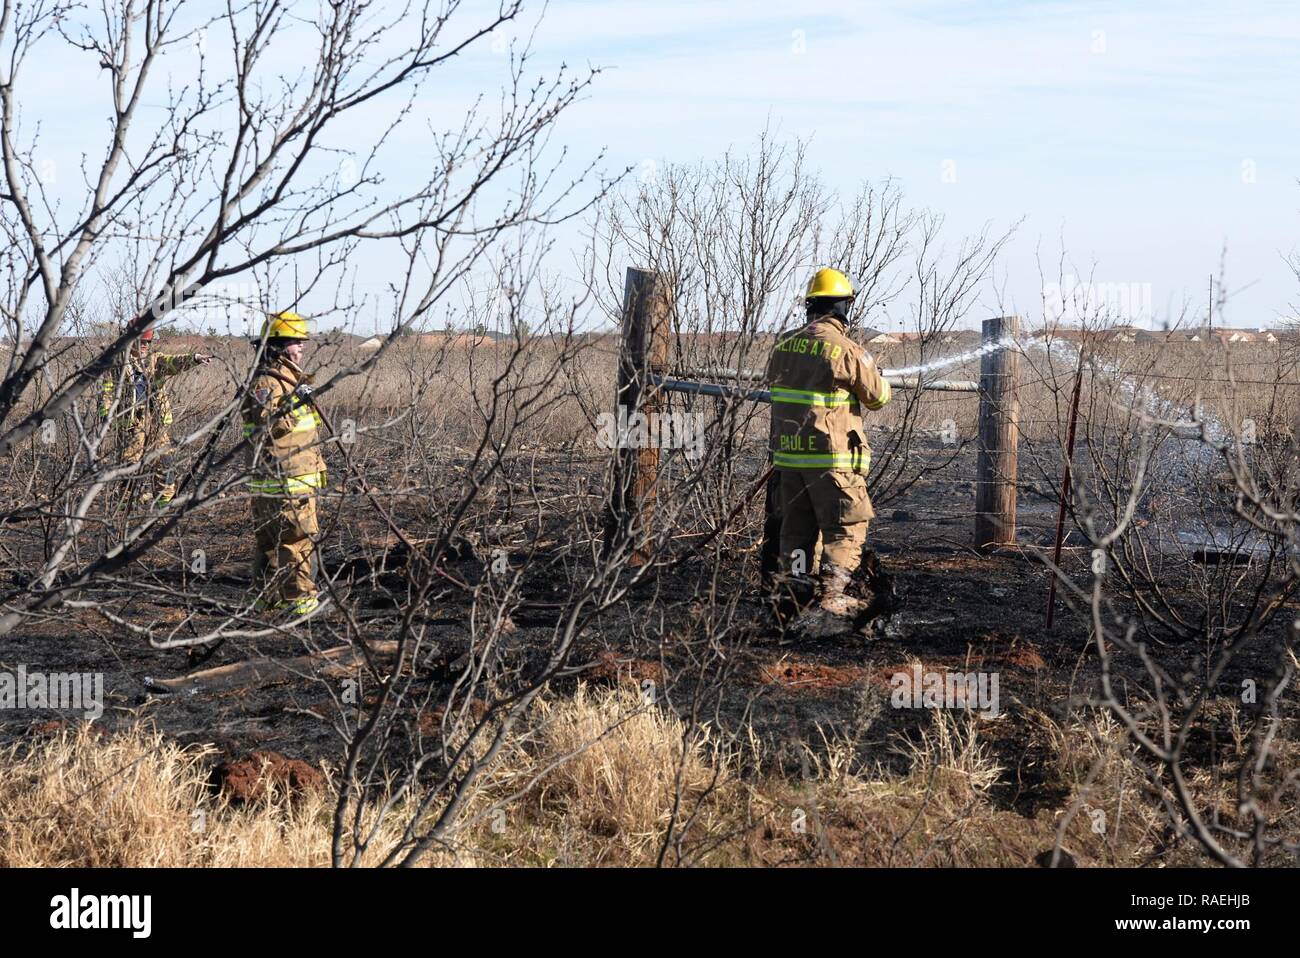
(438, 389)
(136, 799)
(593, 780)
(629, 762)
(1180, 375)
(78, 799)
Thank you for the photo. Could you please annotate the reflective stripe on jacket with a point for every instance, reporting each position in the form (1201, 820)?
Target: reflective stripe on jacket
(284, 455)
(303, 415)
(819, 381)
(291, 486)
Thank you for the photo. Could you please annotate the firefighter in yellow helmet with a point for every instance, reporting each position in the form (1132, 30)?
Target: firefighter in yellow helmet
(143, 413)
(286, 468)
(821, 380)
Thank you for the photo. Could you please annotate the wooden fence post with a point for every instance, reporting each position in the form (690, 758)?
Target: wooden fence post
(995, 483)
(647, 307)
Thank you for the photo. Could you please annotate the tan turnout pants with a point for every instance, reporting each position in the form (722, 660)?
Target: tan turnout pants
(153, 480)
(830, 504)
(283, 566)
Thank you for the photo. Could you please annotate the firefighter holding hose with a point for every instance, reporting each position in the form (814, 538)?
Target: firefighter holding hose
(286, 469)
(820, 381)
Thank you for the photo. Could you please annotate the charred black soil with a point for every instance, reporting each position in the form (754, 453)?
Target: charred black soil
(961, 612)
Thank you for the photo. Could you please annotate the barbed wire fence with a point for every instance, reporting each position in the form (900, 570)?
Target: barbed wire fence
(948, 456)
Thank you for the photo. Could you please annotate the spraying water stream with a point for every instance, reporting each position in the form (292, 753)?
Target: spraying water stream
(1179, 471)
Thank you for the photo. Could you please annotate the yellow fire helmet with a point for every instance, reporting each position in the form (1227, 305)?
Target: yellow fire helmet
(285, 325)
(829, 284)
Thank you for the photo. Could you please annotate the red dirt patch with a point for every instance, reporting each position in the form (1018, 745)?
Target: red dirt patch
(1026, 657)
(429, 724)
(246, 779)
(48, 727)
(612, 667)
(792, 673)
(54, 726)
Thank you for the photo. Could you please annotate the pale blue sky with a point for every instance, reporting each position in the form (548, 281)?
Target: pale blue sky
(1146, 135)
(1143, 135)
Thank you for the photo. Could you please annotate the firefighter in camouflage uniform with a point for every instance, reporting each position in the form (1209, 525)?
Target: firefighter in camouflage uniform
(286, 469)
(142, 412)
(820, 381)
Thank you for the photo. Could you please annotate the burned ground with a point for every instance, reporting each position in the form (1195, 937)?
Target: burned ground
(963, 611)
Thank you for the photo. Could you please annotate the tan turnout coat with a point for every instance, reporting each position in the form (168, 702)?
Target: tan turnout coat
(144, 403)
(285, 454)
(820, 382)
